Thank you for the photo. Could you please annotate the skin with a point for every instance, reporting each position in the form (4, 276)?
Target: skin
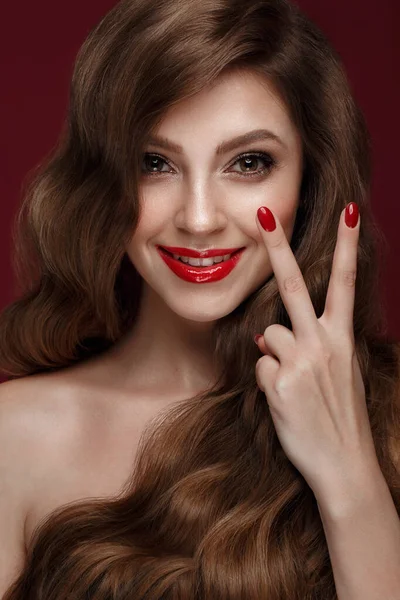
(101, 405)
(310, 375)
(203, 200)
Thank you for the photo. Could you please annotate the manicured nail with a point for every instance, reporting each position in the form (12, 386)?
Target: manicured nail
(257, 337)
(266, 218)
(351, 215)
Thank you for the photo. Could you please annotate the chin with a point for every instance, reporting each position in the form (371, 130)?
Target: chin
(201, 311)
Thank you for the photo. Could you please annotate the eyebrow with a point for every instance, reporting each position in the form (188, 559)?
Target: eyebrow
(252, 136)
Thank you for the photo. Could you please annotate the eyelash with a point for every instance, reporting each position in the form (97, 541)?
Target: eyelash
(269, 163)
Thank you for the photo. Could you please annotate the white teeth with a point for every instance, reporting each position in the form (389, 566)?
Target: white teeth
(202, 262)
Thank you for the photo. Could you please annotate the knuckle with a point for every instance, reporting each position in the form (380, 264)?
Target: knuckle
(293, 284)
(262, 365)
(283, 384)
(263, 371)
(278, 243)
(306, 362)
(280, 386)
(273, 329)
(306, 365)
(347, 277)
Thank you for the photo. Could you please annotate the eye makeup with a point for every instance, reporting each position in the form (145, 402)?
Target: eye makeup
(265, 158)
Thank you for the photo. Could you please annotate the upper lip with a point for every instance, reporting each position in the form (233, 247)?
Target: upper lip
(200, 254)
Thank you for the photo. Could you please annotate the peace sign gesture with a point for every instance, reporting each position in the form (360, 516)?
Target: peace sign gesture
(311, 375)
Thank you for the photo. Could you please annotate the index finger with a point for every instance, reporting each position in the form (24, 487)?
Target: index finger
(339, 304)
(290, 280)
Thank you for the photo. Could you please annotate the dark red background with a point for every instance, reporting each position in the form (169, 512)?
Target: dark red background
(39, 41)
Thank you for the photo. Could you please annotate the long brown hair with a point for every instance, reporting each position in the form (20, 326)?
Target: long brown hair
(214, 508)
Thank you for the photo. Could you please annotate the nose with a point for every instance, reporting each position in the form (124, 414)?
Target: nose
(201, 210)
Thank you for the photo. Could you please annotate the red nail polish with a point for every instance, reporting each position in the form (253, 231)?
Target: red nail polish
(351, 215)
(266, 218)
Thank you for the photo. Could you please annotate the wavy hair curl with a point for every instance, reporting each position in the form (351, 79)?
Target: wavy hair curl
(214, 508)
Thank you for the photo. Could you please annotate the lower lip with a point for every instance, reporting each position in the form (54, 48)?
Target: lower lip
(201, 274)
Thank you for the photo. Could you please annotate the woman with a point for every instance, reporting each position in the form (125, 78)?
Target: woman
(157, 452)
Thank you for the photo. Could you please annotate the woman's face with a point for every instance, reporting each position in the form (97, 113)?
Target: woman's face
(198, 198)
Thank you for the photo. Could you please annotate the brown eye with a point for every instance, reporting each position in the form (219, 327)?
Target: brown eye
(152, 162)
(248, 162)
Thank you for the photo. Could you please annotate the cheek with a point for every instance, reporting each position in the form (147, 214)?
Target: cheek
(285, 207)
(287, 217)
(284, 200)
(153, 216)
(280, 193)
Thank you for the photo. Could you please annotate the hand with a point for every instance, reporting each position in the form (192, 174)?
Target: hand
(311, 376)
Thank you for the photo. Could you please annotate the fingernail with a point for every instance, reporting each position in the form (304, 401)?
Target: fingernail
(351, 215)
(266, 218)
(257, 337)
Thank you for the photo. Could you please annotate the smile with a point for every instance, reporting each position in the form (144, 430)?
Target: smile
(200, 274)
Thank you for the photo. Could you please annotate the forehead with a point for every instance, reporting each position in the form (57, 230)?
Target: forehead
(234, 103)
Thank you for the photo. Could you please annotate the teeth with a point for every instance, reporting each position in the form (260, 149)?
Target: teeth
(202, 262)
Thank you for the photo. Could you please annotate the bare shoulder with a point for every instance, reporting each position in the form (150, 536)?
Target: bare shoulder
(40, 441)
(69, 435)
(29, 427)
(46, 411)
(39, 417)
(35, 411)
(36, 426)
(72, 437)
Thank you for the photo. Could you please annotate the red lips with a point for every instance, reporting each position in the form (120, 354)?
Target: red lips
(192, 274)
(197, 254)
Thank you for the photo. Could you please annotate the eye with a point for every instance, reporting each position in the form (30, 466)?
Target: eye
(152, 162)
(247, 161)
